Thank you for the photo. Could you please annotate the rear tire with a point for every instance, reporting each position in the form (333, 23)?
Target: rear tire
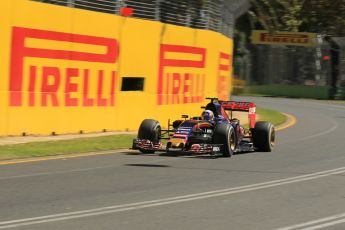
(225, 134)
(149, 130)
(263, 136)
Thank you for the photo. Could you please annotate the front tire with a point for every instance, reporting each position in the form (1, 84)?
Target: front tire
(225, 134)
(263, 136)
(149, 130)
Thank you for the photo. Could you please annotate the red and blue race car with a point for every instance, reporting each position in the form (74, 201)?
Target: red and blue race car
(215, 132)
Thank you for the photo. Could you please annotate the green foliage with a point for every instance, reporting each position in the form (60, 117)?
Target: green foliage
(325, 17)
(278, 14)
(319, 16)
(272, 116)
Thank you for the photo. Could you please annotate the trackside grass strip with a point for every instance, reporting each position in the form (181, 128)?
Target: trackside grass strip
(273, 116)
(94, 144)
(80, 145)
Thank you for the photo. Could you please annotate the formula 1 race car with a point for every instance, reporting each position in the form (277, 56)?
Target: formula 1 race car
(216, 132)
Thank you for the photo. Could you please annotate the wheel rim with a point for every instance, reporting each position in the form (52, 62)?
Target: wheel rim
(272, 137)
(157, 134)
(232, 141)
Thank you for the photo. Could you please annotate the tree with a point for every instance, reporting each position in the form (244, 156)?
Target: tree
(274, 15)
(319, 16)
(324, 17)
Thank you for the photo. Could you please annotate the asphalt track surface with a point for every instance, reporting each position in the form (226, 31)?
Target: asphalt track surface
(300, 185)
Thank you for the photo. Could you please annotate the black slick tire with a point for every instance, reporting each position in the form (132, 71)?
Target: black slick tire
(224, 134)
(149, 130)
(263, 136)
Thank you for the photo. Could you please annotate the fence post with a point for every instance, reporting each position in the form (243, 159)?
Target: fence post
(119, 4)
(158, 10)
(70, 3)
(220, 19)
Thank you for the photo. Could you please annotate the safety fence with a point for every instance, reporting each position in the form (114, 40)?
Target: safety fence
(338, 66)
(216, 15)
(279, 64)
(283, 70)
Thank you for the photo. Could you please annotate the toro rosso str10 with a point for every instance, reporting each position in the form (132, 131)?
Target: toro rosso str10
(216, 132)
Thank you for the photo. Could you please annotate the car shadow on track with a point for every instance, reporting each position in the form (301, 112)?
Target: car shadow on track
(174, 154)
(184, 155)
(149, 165)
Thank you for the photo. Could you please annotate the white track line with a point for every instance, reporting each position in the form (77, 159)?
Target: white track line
(334, 127)
(318, 224)
(304, 103)
(165, 201)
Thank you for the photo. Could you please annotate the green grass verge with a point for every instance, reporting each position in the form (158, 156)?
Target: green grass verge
(93, 144)
(273, 116)
(80, 145)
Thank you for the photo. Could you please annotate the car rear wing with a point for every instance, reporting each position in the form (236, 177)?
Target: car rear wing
(249, 107)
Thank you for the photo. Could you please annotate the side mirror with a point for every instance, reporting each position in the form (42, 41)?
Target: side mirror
(185, 117)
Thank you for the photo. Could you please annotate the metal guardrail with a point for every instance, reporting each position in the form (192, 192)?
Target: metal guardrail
(216, 15)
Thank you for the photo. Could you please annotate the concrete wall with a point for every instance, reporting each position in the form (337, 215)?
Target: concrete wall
(62, 69)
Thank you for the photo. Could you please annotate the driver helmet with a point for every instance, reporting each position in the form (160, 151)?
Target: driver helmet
(207, 115)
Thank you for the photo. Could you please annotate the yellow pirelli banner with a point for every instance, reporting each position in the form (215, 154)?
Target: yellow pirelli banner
(62, 72)
(283, 38)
